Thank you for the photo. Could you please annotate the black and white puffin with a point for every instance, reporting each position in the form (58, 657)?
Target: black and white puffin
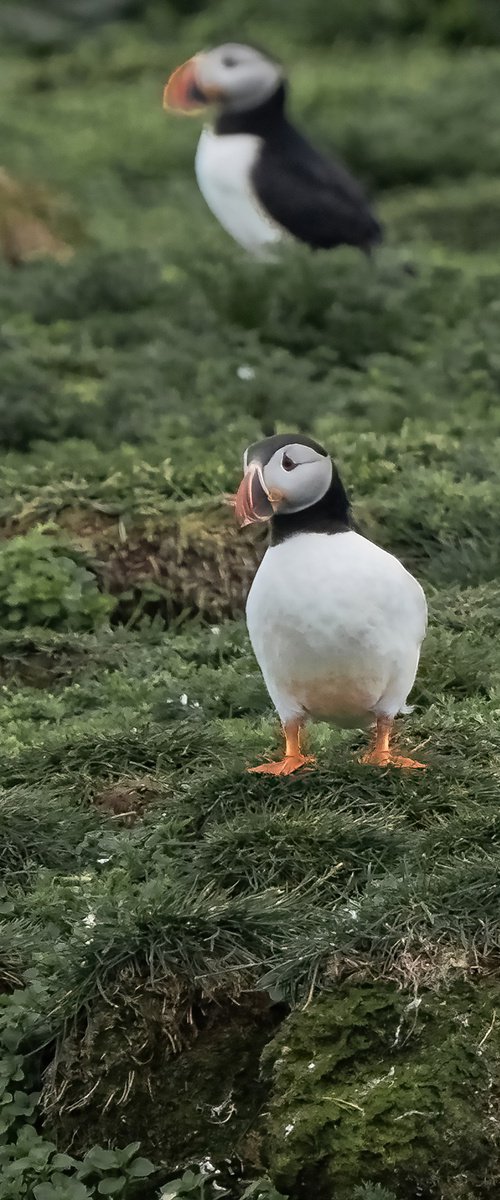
(336, 623)
(261, 178)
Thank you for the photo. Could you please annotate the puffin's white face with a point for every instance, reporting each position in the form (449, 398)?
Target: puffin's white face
(233, 76)
(287, 479)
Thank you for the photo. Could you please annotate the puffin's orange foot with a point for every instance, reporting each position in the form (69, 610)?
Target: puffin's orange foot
(286, 766)
(407, 764)
(386, 758)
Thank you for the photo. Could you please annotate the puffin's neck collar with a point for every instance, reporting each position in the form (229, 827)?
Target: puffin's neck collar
(258, 120)
(331, 514)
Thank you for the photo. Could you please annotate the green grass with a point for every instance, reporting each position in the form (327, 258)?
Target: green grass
(145, 876)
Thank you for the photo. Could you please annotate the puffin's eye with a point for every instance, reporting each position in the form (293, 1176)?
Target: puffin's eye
(288, 463)
(229, 62)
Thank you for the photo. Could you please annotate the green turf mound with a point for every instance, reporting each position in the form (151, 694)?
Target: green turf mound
(366, 1082)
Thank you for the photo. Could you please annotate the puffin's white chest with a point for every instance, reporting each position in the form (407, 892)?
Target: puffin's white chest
(336, 625)
(223, 167)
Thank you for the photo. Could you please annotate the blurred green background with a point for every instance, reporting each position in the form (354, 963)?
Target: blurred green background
(146, 326)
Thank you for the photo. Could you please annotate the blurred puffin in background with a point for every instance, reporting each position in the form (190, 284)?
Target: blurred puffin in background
(261, 178)
(336, 623)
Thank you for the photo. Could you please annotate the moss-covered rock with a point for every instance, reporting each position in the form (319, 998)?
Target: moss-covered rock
(165, 1066)
(369, 1083)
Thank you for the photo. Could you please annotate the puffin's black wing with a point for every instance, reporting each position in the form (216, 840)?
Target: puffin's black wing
(314, 198)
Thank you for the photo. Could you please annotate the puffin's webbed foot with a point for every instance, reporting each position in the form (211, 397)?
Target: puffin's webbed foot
(376, 758)
(381, 753)
(286, 765)
(293, 758)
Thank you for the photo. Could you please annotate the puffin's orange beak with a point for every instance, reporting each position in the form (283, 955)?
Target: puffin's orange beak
(253, 501)
(183, 92)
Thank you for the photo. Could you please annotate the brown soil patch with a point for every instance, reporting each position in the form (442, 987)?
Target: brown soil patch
(127, 799)
(193, 563)
(26, 215)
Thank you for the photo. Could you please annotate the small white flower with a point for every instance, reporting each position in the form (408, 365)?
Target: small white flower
(104, 860)
(311, 1066)
(207, 1166)
(183, 699)
(245, 372)
(90, 919)
(289, 1129)
(213, 629)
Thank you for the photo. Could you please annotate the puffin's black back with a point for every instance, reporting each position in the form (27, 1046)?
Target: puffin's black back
(312, 197)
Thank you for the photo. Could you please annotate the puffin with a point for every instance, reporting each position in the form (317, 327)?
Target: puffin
(336, 623)
(263, 181)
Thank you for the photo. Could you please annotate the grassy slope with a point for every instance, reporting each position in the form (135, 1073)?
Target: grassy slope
(131, 839)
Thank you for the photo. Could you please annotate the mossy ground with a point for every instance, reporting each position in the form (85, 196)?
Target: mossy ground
(380, 1085)
(143, 872)
(177, 1072)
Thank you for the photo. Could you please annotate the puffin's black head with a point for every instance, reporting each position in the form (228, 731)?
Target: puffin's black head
(234, 77)
(293, 480)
